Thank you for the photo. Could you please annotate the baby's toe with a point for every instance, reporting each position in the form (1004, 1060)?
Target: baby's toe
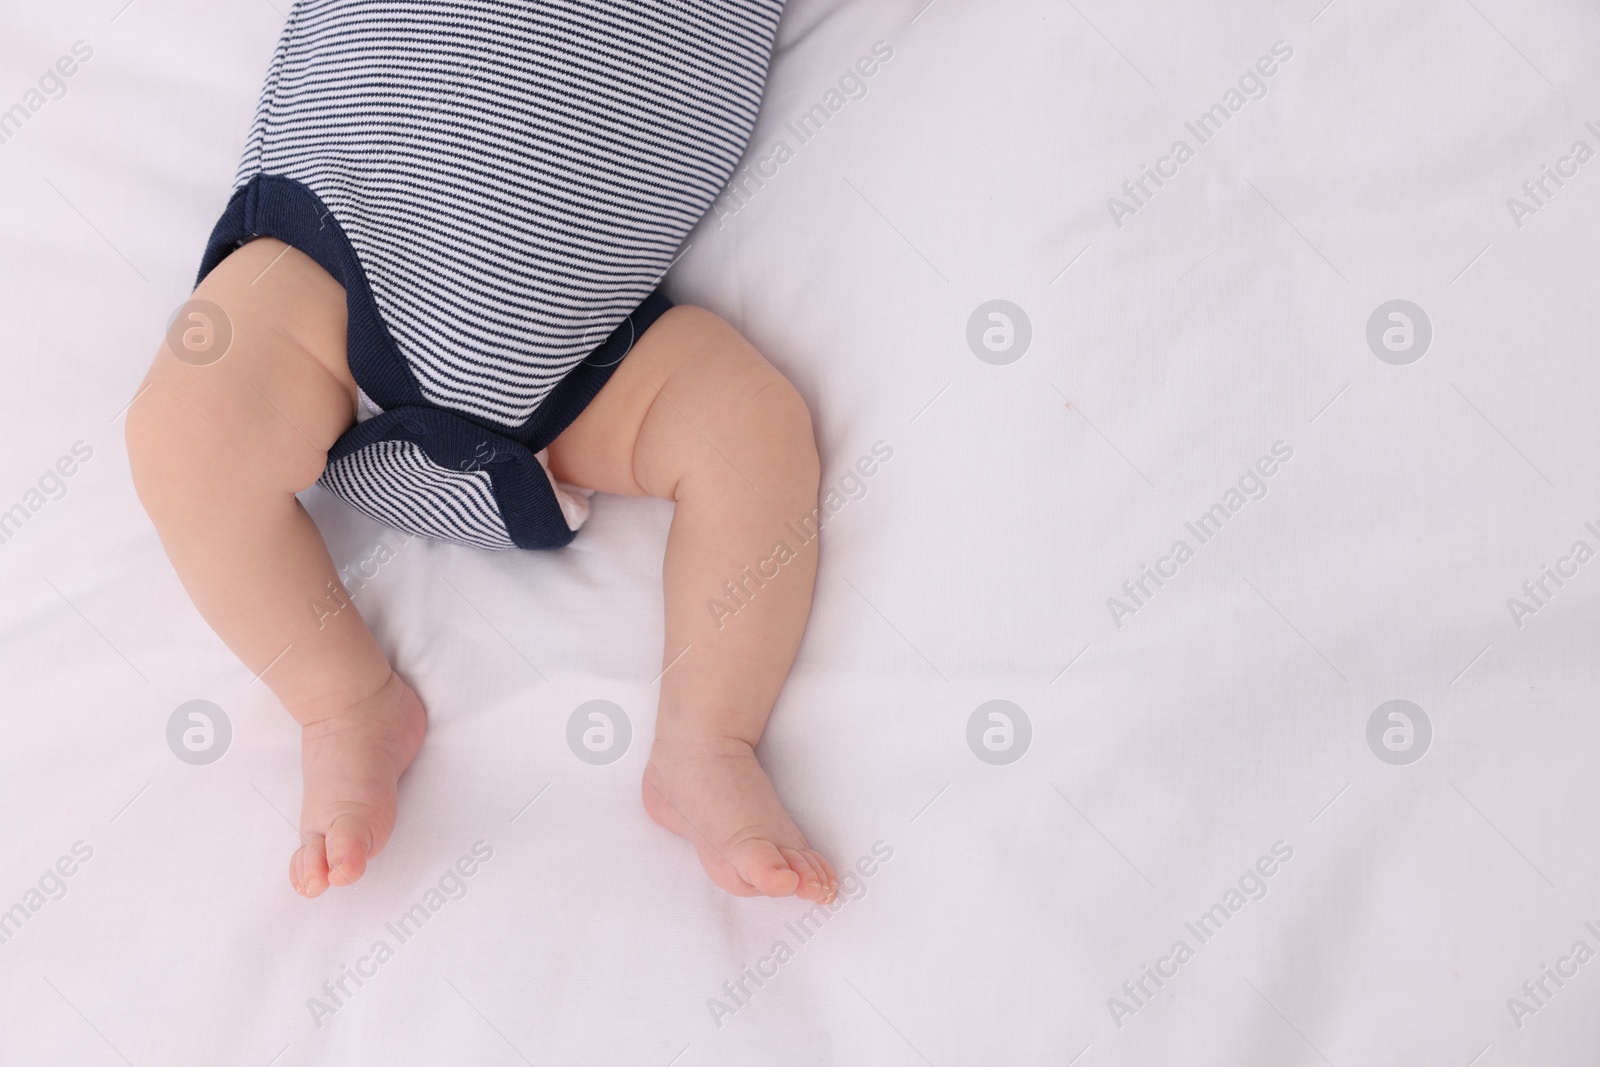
(813, 884)
(762, 865)
(348, 843)
(829, 876)
(308, 868)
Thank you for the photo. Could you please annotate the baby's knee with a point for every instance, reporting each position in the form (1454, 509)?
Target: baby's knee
(172, 450)
(197, 435)
(724, 417)
(749, 394)
(758, 421)
(778, 417)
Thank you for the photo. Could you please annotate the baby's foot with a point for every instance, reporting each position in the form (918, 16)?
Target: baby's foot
(352, 761)
(711, 790)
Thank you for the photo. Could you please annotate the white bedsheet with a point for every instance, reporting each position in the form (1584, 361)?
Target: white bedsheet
(1175, 341)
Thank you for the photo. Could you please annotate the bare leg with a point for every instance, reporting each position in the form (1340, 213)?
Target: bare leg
(217, 453)
(694, 414)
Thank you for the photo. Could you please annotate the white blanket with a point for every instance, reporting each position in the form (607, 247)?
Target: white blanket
(1222, 844)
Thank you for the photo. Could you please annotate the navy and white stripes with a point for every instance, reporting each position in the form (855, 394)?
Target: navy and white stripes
(510, 179)
(452, 505)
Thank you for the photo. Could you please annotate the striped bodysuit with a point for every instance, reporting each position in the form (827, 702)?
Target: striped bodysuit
(499, 186)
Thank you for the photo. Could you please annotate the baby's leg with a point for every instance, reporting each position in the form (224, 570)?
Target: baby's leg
(694, 414)
(217, 453)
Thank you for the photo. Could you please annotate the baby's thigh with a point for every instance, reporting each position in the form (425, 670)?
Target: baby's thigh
(252, 373)
(691, 391)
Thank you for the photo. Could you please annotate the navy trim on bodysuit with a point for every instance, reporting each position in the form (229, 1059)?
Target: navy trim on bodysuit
(273, 206)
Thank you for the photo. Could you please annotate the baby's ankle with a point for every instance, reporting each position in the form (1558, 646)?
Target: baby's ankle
(698, 738)
(354, 698)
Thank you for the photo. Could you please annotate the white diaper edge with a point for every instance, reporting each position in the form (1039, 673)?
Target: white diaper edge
(574, 500)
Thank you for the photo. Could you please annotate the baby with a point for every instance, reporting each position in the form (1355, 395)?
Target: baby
(435, 292)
